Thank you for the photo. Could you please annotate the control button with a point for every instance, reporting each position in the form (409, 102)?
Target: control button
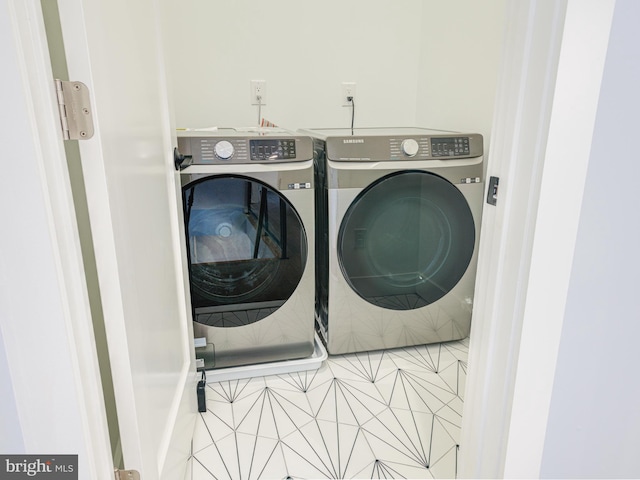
(224, 149)
(409, 147)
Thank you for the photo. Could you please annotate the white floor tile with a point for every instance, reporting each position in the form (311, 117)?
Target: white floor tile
(384, 414)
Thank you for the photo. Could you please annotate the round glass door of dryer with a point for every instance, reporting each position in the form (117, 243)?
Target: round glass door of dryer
(406, 240)
(247, 249)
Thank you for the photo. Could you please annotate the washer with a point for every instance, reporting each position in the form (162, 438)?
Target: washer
(249, 220)
(398, 228)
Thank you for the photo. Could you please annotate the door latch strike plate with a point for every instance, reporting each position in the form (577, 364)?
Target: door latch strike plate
(492, 192)
(75, 110)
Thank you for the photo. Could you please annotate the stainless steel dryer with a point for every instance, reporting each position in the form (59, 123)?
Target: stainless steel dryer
(399, 218)
(249, 218)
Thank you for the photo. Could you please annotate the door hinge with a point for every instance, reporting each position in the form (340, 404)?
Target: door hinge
(127, 475)
(75, 110)
(492, 192)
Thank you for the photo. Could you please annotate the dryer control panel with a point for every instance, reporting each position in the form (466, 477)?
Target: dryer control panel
(436, 147)
(450, 146)
(379, 145)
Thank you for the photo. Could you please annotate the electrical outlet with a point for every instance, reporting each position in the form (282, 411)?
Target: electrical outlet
(258, 89)
(348, 90)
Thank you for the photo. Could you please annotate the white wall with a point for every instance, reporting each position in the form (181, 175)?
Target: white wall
(461, 49)
(10, 430)
(594, 422)
(11, 441)
(305, 50)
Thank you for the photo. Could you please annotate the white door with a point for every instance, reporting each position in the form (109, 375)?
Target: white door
(114, 48)
(51, 361)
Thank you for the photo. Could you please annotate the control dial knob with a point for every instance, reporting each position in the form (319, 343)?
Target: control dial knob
(224, 149)
(409, 147)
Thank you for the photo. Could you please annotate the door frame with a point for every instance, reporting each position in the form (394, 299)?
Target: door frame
(546, 106)
(494, 438)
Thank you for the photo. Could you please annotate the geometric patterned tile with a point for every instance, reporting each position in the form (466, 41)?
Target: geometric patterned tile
(385, 414)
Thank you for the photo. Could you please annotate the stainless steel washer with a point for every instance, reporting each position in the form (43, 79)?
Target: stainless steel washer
(398, 228)
(249, 220)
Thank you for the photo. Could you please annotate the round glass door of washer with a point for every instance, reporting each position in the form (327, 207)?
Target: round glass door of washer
(247, 249)
(406, 240)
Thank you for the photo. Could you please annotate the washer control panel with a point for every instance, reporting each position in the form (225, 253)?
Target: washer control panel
(215, 150)
(272, 149)
(218, 150)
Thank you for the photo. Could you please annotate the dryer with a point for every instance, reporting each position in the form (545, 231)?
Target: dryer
(398, 228)
(248, 199)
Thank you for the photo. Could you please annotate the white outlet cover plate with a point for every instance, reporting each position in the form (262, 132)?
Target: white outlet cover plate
(348, 90)
(258, 86)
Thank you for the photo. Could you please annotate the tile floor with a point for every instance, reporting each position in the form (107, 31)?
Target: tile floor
(385, 414)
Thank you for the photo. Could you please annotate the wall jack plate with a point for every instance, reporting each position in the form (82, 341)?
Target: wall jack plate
(348, 90)
(258, 89)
